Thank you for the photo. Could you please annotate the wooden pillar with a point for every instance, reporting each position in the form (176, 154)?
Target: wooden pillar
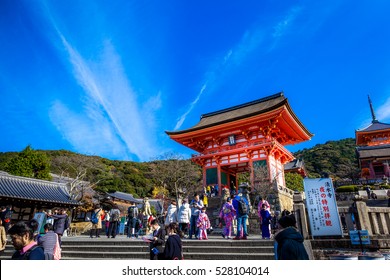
(372, 171)
(252, 174)
(219, 178)
(204, 176)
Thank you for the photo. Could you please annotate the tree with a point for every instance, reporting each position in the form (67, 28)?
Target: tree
(77, 171)
(30, 163)
(294, 181)
(180, 177)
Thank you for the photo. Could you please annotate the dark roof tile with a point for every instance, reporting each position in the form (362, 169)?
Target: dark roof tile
(34, 189)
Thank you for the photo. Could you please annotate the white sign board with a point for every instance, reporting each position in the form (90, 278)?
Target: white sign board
(322, 209)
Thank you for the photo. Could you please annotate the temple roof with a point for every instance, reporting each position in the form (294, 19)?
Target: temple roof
(373, 151)
(33, 189)
(242, 111)
(294, 164)
(375, 126)
(125, 196)
(156, 203)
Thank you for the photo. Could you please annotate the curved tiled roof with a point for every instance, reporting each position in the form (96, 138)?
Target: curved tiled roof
(375, 126)
(242, 111)
(34, 189)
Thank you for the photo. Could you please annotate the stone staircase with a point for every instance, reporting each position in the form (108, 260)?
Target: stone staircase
(216, 248)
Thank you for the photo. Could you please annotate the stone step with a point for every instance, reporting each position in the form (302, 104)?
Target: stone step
(215, 248)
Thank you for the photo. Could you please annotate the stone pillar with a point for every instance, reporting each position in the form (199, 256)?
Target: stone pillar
(300, 213)
(364, 219)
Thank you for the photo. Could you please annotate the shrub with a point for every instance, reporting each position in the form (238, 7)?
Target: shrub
(350, 188)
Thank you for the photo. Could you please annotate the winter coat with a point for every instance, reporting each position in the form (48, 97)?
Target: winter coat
(173, 248)
(171, 215)
(290, 245)
(59, 223)
(184, 215)
(99, 214)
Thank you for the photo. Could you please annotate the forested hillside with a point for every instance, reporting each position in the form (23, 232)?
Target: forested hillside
(168, 175)
(336, 158)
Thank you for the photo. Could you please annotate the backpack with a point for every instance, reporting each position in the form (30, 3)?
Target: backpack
(94, 217)
(115, 216)
(130, 212)
(242, 207)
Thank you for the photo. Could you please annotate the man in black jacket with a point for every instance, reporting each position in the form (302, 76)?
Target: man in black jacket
(156, 245)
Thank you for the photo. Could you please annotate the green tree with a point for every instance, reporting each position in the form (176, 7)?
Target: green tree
(30, 163)
(294, 181)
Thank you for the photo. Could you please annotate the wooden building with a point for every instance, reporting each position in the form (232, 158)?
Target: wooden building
(27, 196)
(373, 148)
(239, 138)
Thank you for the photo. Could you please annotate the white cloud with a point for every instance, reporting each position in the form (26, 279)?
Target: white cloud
(383, 112)
(112, 111)
(192, 105)
(281, 27)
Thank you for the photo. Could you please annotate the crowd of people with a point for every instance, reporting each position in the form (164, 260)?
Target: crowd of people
(189, 220)
(33, 239)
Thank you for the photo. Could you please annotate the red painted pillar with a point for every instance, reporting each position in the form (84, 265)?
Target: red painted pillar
(219, 179)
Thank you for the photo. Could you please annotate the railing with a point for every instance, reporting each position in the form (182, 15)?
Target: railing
(374, 219)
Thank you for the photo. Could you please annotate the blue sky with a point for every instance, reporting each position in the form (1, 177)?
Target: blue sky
(107, 78)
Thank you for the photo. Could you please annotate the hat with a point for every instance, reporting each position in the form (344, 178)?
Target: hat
(228, 199)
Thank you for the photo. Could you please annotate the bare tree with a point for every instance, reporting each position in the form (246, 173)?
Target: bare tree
(77, 172)
(178, 175)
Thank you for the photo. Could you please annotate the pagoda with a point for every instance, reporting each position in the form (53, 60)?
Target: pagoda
(239, 138)
(373, 148)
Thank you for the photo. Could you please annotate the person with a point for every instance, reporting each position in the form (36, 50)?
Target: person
(49, 241)
(274, 222)
(204, 199)
(49, 219)
(157, 242)
(265, 222)
(195, 205)
(368, 190)
(260, 205)
(3, 237)
(6, 216)
(216, 190)
(132, 214)
(60, 223)
(228, 214)
(388, 195)
(107, 222)
(241, 204)
(97, 227)
(22, 238)
(114, 221)
(289, 240)
(203, 223)
(208, 190)
(173, 249)
(171, 216)
(184, 217)
(225, 194)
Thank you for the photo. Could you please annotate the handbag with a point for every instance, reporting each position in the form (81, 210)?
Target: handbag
(57, 250)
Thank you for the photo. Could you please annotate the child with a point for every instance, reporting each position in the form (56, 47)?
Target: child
(203, 223)
(3, 237)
